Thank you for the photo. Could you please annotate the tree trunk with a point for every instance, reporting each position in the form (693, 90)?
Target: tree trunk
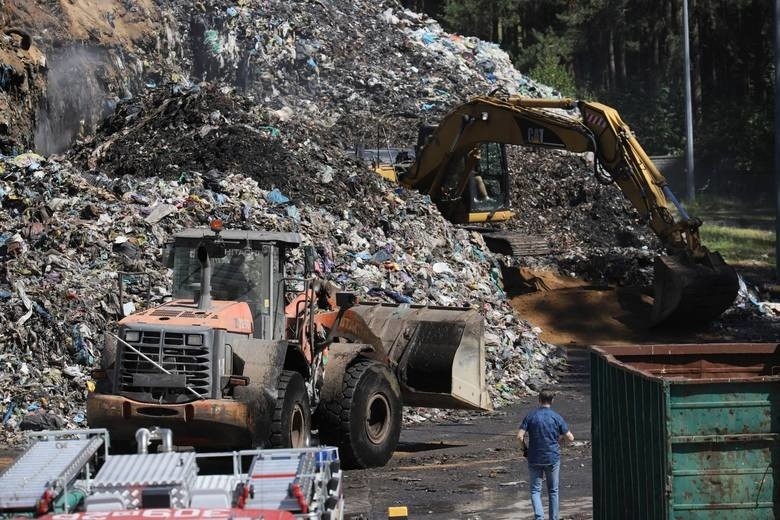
(611, 80)
(695, 63)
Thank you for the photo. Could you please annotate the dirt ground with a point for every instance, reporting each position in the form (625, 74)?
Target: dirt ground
(571, 312)
(474, 470)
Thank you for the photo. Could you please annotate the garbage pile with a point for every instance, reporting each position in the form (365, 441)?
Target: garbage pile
(365, 70)
(755, 315)
(370, 73)
(593, 231)
(67, 232)
(248, 109)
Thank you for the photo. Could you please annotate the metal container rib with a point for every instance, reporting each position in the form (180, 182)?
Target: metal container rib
(686, 431)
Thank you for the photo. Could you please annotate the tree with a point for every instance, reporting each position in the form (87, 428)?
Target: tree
(628, 54)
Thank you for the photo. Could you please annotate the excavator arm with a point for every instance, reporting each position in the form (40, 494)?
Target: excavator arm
(692, 284)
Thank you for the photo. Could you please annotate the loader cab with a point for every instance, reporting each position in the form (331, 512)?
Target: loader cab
(246, 266)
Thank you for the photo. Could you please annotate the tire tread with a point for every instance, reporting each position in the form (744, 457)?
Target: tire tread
(336, 415)
(275, 439)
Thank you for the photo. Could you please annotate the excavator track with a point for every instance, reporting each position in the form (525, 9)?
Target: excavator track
(517, 244)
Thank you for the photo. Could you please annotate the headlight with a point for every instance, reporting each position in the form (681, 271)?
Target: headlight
(132, 336)
(194, 340)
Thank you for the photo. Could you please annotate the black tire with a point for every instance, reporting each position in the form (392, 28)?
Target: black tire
(364, 421)
(291, 419)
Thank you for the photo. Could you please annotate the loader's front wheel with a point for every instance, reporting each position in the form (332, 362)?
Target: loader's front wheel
(364, 420)
(291, 420)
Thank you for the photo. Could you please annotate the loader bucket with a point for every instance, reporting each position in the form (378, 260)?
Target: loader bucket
(438, 353)
(690, 292)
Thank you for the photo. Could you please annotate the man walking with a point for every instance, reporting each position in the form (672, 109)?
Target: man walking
(545, 429)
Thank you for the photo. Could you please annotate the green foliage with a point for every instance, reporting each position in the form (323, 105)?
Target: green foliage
(470, 16)
(550, 71)
(737, 136)
(487, 19)
(628, 54)
(546, 62)
(657, 120)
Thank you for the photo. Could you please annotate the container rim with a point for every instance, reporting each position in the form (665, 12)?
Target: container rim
(612, 352)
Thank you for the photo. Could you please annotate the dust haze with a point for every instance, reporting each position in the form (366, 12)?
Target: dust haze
(76, 98)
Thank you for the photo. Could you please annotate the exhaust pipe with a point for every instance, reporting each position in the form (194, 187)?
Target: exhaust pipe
(143, 438)
(204, 298)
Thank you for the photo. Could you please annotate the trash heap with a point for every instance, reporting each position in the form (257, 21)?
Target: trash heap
(592, 229)
(247, 111)
(69, 230)
(371, 73)
(366, 70)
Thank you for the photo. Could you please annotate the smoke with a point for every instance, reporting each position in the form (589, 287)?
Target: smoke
(76, 97)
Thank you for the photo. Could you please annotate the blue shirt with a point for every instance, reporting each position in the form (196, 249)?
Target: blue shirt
(544, 427)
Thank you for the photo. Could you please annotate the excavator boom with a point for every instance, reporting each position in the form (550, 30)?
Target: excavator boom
(461, 165)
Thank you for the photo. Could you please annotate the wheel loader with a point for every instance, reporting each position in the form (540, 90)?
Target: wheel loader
(246, 356)
(461, 164)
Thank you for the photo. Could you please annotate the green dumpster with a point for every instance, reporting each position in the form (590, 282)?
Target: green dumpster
(686, 431)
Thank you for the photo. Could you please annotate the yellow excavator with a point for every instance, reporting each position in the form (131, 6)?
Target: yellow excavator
(461, 164)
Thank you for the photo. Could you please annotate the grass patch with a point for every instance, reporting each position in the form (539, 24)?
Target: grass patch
(743, 233)
(738, 244)
(725, 212)
(707, 203)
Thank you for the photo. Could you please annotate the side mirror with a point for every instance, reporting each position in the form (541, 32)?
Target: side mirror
(309, 257)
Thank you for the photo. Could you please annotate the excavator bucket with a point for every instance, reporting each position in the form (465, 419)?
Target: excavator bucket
(690, 292)
(438, 352)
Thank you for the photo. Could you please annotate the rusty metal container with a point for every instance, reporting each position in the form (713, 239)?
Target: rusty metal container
(686, 431)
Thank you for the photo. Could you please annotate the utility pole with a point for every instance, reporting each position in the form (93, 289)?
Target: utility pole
(690, 183)
(777, 139)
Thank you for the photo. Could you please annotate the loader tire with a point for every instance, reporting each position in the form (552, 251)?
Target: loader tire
(291, 419)
(364, 421)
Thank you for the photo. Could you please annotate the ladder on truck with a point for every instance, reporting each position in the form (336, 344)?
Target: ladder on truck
(48, 467)
(306, 481)
(65, 472)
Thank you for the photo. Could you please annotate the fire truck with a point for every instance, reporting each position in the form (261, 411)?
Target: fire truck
(70, 475)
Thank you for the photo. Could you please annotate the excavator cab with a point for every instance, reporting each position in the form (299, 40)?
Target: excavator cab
(488, 185)
(485, 195)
